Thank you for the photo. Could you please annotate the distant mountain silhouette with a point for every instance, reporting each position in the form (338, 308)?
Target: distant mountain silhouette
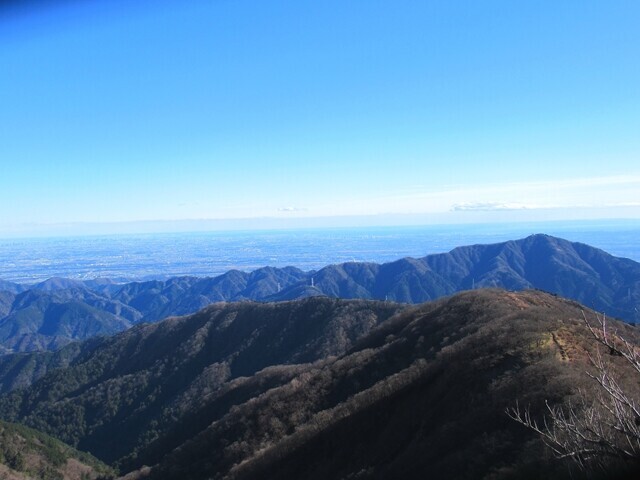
(321, 388)
(46, 320)
(58, 311)
(57, 283)
(11, 287)
(572, 270)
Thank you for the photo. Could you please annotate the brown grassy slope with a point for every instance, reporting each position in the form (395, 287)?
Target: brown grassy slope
(423, 396)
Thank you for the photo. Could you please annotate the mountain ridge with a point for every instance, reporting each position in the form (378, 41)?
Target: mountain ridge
(222, 342)
(570, 269)
(271, 390)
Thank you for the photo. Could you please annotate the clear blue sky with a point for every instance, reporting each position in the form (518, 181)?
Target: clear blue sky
(424, 111)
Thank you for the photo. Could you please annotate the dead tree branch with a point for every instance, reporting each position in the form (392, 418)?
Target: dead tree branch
(601, 429)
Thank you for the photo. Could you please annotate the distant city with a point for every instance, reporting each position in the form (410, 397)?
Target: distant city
(164, 255)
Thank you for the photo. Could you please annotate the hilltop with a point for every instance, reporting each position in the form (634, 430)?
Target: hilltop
(274, 390)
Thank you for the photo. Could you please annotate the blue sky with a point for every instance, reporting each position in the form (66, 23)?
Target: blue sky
(317, 113)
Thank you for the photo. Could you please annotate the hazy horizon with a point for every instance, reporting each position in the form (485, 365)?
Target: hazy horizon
(151, 256)
(187, 226)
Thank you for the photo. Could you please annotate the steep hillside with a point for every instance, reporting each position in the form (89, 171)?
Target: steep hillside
(253, 391)
(10, 287)
(53, 313)
(27, 454)
(58, 311)
(131, 388)
(423, 396)
(41, 320)
(6, 300)
(183, 295)
(20, 370)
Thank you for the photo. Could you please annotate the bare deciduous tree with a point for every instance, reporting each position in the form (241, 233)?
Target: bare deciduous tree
(598, 431)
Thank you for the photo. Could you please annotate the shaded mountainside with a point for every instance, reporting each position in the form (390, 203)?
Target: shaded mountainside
(251, 391)
(28, 454)
(57, 311)
(425, 393)
(11, 287)
(19, 370)
(116, 397)
(47, 320)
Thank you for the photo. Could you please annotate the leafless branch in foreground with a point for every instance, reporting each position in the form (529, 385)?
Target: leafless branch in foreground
(595, 432)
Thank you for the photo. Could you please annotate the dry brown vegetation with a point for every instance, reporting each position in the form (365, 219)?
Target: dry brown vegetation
(424, 394)
(325, 388)
(600, 430)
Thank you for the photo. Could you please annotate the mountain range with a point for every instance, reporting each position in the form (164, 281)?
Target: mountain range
(51, 314)
(320, 388)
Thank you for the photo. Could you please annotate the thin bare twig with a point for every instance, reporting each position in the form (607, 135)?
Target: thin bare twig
(607, 427)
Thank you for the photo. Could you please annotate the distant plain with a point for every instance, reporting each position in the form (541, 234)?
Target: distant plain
(129, 257)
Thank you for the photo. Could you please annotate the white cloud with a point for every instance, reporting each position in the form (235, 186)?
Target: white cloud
(292, 209)
(497, 207)
(491, 206)
(615, 191)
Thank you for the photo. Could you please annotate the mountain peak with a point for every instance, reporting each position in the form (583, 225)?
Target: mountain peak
(573, 270)
(58, 283)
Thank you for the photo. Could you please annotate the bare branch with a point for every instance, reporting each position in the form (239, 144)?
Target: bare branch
(595, 431)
